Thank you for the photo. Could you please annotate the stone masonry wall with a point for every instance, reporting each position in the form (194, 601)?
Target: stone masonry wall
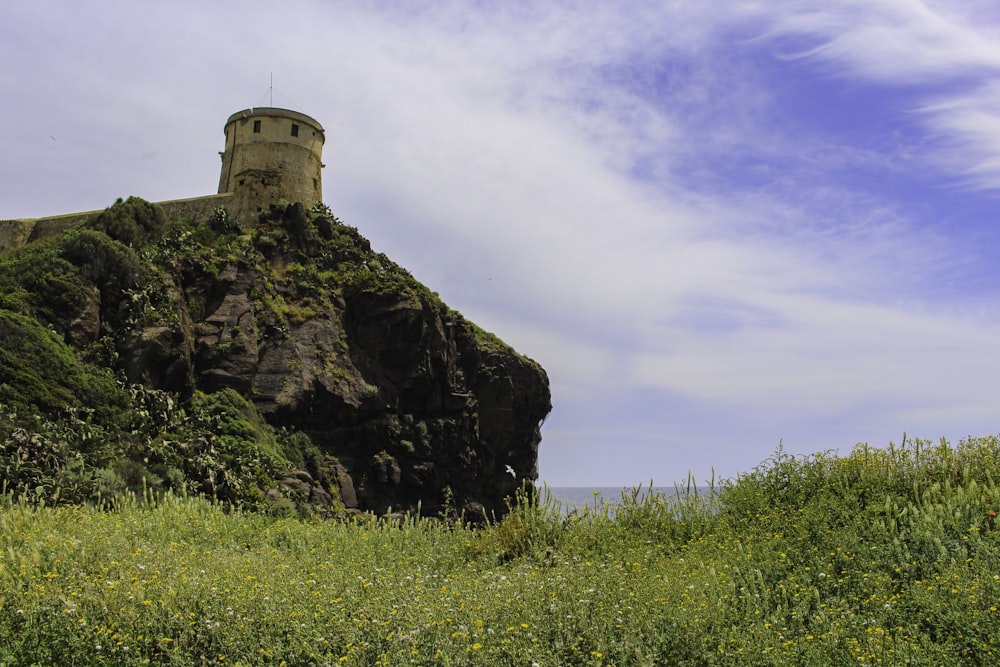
(17, 233)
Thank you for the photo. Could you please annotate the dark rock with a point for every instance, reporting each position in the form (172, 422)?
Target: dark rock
(302, 476)
(85, 328)
(319, 497)
(157, 357)
(345, 484)
(296, 487)
(324, 227)
(226, 347)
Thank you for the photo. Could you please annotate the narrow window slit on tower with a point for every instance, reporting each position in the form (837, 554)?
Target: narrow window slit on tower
(256, 126)
(295, 130)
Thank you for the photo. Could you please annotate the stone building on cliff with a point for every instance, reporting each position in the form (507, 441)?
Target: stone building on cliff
(271, 154)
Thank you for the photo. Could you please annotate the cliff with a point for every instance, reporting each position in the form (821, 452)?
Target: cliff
(287, 366)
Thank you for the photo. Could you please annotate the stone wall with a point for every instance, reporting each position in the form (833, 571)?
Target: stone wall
(14, 233)
(17, 233)
(197, 209)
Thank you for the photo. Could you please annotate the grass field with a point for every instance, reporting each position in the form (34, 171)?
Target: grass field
(883, 556)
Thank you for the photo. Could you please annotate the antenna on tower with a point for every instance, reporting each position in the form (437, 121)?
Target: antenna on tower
(271, 89)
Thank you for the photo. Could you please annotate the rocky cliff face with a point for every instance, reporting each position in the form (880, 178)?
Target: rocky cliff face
(394, 400)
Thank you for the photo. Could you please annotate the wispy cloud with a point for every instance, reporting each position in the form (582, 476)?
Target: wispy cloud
(969, 129)
(895, 41)
(946, 51)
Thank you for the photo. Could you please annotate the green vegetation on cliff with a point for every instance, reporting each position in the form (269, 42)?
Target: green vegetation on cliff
(884, 556)
(39, 373)
(70, 428)
(73, 430)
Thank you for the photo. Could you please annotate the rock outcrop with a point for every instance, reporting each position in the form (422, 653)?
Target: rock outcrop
(399, 402)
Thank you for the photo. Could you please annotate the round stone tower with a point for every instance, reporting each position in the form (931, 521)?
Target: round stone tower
(272, 154)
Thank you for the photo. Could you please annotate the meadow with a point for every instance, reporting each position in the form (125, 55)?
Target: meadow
(880, 556)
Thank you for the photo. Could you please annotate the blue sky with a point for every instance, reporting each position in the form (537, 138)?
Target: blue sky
(718, 225)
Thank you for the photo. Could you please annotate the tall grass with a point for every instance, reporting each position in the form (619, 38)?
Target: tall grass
(883, 556)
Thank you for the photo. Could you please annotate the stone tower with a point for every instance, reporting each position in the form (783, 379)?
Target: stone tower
(272, 154)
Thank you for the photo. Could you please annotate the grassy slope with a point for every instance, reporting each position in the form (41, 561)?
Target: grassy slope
(879, 557)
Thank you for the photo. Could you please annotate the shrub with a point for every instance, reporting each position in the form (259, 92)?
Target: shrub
(530, 528)
(220, 222)
(40, 374)
(133, 221)
(37, 280)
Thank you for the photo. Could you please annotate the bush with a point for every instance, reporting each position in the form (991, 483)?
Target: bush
(40, 374)
(134, 221)
(220, 222)
(529, 529)
(37, 280)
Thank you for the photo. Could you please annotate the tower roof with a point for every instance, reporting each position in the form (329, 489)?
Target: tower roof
(275, 112)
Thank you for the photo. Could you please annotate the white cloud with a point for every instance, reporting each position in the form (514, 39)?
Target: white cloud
(969, 127)
(946, 51)
(823, 357)
(894, 41)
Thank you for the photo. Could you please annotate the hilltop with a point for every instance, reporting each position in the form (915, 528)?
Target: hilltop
(285, 366)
